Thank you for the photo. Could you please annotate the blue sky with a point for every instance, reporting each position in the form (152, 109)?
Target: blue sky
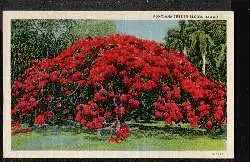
(147, 29)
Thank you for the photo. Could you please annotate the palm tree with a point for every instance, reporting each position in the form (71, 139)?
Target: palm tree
(201, 43)
(204, 43)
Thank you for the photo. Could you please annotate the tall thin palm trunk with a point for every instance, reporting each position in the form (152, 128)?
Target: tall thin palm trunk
(185, 51)
(204, 63)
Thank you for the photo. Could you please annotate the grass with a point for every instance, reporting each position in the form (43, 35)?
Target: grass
(139, 140)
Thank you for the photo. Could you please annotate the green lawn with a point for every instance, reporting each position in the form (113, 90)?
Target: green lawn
(139, 140)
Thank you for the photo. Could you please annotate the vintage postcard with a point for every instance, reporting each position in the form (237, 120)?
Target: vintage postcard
(102, 84)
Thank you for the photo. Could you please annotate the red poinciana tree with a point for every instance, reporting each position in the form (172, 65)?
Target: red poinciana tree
(102, 79)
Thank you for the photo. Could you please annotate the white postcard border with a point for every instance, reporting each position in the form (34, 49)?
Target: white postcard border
(112, 15)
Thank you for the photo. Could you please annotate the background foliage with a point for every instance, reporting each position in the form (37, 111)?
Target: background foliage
(35, 39)
(204, 43)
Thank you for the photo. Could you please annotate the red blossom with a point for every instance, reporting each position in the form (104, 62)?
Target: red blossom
(40, 120)
(123, 73)
(120, 111)
(158, 114)
(133, 103)
(124, 98)
(209, 124)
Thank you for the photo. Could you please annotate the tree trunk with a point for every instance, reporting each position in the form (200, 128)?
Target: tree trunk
(204, 63)
(185, 51)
